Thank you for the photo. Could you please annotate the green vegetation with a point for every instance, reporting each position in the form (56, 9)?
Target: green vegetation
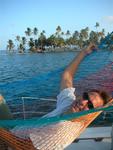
(38, 42)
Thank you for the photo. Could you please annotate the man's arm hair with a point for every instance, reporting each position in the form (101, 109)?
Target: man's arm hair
(68, 74)
(70, 71)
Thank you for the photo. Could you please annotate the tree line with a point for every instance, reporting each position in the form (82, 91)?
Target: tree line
(35, 41)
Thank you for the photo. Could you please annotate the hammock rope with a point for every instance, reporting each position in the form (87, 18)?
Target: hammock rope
(37, 122)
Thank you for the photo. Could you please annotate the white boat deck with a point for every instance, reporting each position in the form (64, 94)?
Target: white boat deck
(87, 142)
(90, 145)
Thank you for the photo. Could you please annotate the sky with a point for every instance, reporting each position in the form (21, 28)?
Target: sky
(17, 15)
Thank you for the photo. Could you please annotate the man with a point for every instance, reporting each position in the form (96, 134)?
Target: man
(66, 100)
(61, 134)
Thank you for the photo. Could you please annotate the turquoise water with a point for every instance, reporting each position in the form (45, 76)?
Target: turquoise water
(28, 75)
(38, 75)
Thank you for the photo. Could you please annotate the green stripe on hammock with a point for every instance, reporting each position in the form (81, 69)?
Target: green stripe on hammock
(38, 122)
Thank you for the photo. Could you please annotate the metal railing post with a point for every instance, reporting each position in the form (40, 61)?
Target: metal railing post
(23, 105)
(112, 138)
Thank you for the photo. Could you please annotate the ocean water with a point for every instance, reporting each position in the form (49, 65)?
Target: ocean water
(38, 75)
(31, 74)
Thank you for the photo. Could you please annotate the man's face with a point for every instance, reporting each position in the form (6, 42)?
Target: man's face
(94, 99)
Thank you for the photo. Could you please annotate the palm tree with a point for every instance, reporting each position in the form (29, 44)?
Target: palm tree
(28, 32)
(62, 35)
(31, 44)
(18, 38)
(76, 35)
(51, 41)
(97, 25)
(81, 39)
(70, 41)
(59, 42)
(23, 43)
(58, 30)
(36, 44)
(18, 41)
(20, 48)
(86, 30)
(10, 45)
(80, 42)
(68, 33)
(35, 32)
(42, 40)
(43, 31)
(103, 33)
(84, 34)
(93, 37)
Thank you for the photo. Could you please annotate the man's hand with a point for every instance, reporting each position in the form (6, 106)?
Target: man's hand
(90, 48)
(79, 106)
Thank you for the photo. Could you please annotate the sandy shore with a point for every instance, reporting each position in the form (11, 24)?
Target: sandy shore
(61, 49)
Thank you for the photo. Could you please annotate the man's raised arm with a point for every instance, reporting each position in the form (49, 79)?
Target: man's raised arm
(69, 72)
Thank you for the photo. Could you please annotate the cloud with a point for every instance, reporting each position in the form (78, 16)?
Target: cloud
(108, 19)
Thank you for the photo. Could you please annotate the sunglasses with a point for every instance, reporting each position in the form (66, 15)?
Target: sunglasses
(86, 97)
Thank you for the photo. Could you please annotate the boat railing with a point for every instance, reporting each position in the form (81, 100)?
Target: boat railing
(23, 106)
(35, 98)
(31, 106)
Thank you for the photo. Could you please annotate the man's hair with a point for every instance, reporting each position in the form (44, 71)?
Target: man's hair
(103, 94)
